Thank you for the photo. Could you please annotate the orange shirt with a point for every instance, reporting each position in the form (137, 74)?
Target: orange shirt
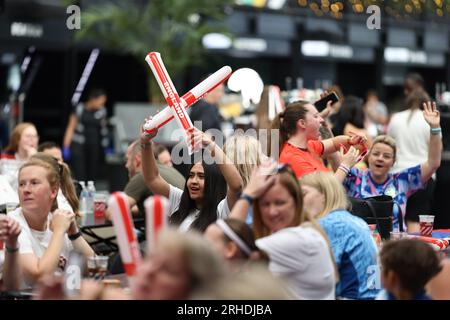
(303, 161)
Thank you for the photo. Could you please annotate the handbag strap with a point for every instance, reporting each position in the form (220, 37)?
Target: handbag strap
(374, 214)
(400, 217)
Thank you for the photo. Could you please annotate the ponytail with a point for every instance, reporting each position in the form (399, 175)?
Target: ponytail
(68, 188)
(286, 121)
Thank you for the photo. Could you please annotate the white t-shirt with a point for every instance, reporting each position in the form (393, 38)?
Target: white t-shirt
(62, 202)
(412, 139)
(301, 257)
(37, 242)
(175, 197)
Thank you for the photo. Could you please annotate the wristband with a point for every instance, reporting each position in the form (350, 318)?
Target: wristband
(74, 236)
(246, 197)
(344, 168)
(11, 250)
(435, 131)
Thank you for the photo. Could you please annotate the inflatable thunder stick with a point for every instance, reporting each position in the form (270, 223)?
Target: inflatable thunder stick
(170, 92)
(124, 227)
(157, 213)
(188, 99)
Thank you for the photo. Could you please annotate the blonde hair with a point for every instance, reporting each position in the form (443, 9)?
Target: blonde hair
(387, 140)
(52, 175)
(65, 179)
(245, 152)
(16, 134)
(327, 184)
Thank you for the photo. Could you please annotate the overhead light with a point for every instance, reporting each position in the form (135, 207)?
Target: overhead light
(404, 55)
(338, 51)
(250, 44)
(392, 54)
(312, 48)
(22, 29)
(276, 4)
(216, 41)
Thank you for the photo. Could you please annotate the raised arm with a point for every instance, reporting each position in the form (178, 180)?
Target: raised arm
(334, 144)
(349, 159)
(152, 178)
(226, 166)
(432, 117)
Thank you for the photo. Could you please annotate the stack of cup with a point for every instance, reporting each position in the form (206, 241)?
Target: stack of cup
(426, 225)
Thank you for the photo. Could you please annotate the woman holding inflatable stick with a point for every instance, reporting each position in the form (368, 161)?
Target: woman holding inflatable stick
(205, 197)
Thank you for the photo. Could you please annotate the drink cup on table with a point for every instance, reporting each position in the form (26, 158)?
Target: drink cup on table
(426, 225)
(100, 205)
(97, 266)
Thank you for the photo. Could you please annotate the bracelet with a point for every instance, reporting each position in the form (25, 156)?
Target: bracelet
(146, 145)
(11, 250)
(435, 131)
(74, 236)
(344, 168)
(246, 197)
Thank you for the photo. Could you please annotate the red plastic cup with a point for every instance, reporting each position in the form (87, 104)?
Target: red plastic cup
(1, 245)
(100, 205)
(426, 225)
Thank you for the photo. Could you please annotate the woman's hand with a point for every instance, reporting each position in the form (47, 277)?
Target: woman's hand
(431, 114)
(350, 158)
(357, 139)
(198, 139)
(62, 220)
(147, 136)
(262, 178)
(9, 231)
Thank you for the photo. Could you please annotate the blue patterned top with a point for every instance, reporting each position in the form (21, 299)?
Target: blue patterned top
(355, 254)
(399, 186)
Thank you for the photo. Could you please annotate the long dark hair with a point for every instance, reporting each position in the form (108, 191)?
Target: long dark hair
(351, 112)
(214, 191)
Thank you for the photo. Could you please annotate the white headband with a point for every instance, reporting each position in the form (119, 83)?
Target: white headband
(233, 236)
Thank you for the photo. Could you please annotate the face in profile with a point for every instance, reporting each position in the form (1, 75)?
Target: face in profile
(165, 158)
(163, 276)
(131, 161)
(35, 192)
(277, 208)
(313, 122)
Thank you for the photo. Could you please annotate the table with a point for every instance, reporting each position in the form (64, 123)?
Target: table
(440, 239)
(89, 223)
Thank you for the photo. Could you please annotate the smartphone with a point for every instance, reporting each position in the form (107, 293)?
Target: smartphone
(322, 103)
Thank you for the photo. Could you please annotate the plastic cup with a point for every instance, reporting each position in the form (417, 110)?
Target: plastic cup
(426, 225)
(100, 205)
(397, 235)
(97, 266)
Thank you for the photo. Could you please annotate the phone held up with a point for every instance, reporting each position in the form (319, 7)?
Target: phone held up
(322, 103)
